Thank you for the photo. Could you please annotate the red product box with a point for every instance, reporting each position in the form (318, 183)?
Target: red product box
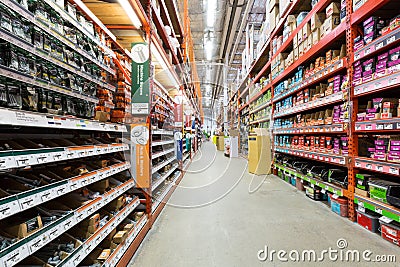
(369, 222)
(329, 143)
(390, 232)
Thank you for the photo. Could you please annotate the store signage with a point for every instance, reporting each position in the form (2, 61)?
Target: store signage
(178, 112)
(140, 154)
(140, 79)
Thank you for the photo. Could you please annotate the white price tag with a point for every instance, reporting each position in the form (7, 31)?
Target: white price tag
(357, 164)
(379, 46)
(323, 191)
(360, 204)
(368, 166)
(394, 170)
(367, 51)
(391, 39)
(379, 168)
(358, 127)
(368, 127)
(362, 209)
(312, 185)
(385, 219)
(357, 56)
(379, 127)
(389, 126)
(378, 210)
(392, 81)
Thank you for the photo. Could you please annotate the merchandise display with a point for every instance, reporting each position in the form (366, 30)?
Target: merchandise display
(324, 83)
(69, 193)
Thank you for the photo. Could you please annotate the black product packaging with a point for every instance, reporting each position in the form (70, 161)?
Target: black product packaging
(3, 95)
(29, 98)
(14, 99)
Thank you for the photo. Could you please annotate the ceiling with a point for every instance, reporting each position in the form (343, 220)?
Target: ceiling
(227, 34)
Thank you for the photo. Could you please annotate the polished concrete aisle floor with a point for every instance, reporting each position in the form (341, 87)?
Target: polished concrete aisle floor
(222, 216)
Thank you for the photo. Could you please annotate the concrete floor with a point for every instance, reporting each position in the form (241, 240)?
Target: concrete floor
(222, 216)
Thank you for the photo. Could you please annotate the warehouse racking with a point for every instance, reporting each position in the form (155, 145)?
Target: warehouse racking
(287, 79)
(69, 192)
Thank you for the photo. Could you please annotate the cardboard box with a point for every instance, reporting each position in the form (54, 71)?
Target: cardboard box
(120, 237)
(315, 36)
(300, 37)
(295, 41)
(104, 254)
(306, 31)
(24, 229)
(102, 116)
(260, 152)
(129, 227)
(309, 42)
(295, 53)
(274, 16)
(331, 23)
(332, 9)
(317, 20)
(301, 49)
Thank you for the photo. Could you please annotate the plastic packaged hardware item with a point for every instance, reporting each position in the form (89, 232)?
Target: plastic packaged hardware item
(5, 20)
(23, 65)
(3, 95)
(14, 99)
(13, 61)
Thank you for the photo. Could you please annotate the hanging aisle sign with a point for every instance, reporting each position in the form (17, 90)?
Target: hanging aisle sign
(140, 79)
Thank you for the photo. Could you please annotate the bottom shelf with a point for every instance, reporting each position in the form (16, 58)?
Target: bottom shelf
(161, 195)
(378, 207)
(314, 181)
(119, 252)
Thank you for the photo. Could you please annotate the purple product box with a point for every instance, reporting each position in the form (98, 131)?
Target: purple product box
(395, 142)
(337, 78)
(368, 62)
(380, 142)
(369, 37)
(394, 148)
(361, 116)
(370, 117)
(336, 151)
(394, 50)
(381, 64)
(383, 56)
(369, 20)
(367, 78)
(367, 73)
(358, 68)
(345, 152)
(380, 73)
(392, 69)
(380, 148)
(357, 74)
(393, 158)
(370, 27)
(357, 63)
(393, 63)
(358, 45)
(379, 156)
(336, 116)
(394, 153)
(372, 110)
(337, 84)
(371, 149)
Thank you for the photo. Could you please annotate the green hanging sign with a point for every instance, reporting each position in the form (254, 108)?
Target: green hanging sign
(140, 79)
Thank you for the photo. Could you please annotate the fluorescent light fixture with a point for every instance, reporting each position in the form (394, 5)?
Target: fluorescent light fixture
(209, 47)
(211, 10)
(131, 13)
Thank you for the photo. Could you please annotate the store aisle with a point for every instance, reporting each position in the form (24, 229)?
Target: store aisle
(236, 224)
